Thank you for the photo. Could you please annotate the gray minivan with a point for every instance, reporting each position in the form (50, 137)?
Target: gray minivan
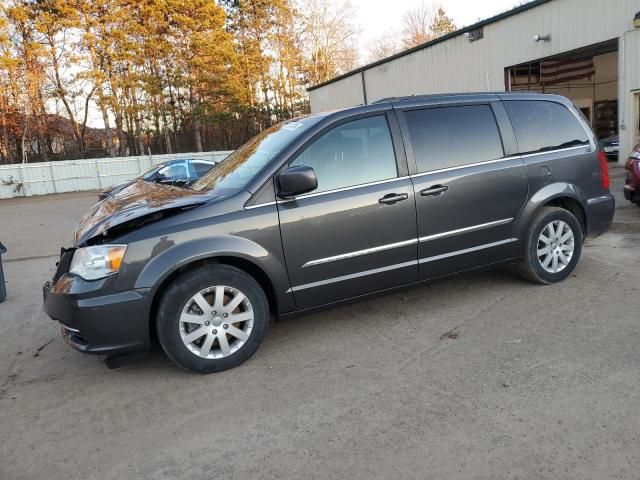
(329, 208)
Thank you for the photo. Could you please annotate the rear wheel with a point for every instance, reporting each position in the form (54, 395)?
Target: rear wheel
(212, 318)
(554, 245)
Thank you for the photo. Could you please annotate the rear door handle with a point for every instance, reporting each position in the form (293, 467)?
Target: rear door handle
(392, 198)
(434, 190)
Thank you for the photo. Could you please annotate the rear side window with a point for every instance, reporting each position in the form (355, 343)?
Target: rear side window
(201, 168)
(354, 153)
(446, 137)
(541, 126)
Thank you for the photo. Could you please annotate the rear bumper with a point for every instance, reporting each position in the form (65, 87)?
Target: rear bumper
(95, 319)
(599, 211)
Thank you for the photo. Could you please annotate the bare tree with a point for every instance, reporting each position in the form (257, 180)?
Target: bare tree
(416, 25)
(330, 38)
(419, 25)
(384, 46)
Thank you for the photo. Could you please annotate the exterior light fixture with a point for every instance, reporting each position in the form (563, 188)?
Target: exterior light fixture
(636, 20)
(541, 38)
(474, 35)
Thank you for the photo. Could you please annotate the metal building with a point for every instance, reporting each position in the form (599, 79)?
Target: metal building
(586, 50)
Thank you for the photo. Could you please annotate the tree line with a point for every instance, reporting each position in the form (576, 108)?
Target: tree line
(91, 78)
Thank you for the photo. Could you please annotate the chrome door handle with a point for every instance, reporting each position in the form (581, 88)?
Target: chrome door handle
(434, 190)
(392, 198)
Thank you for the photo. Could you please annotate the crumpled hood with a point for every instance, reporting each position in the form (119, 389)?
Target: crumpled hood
(137, 200)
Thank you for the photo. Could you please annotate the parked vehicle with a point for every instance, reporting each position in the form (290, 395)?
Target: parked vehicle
(180, 173)
(329, 208)
(632, 181)
(611, 147)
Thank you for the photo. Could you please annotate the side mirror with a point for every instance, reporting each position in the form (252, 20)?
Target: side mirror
(296, 181)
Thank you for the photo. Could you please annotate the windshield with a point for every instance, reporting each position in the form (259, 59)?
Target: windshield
(236, 171)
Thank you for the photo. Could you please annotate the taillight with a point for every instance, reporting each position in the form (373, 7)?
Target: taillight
(604, 170)
(633, 158)
(629, 164)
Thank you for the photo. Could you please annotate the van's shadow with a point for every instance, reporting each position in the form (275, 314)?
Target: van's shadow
(313, 324)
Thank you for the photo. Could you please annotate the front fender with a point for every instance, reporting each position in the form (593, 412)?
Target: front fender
(171, 259)
(541, 198)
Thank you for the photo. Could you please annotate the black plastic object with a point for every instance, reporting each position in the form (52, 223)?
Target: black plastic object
(3, 290)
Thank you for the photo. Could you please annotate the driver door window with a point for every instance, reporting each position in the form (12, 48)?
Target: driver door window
(354, 153)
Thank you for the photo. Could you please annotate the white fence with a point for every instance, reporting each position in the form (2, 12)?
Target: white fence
(26, 179)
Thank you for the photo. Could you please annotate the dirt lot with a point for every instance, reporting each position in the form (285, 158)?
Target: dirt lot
(482, 376)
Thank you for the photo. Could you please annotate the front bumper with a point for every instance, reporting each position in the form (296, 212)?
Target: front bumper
(629, 192)
(94, 317)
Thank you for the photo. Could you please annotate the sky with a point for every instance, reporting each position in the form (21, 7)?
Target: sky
(377, 16)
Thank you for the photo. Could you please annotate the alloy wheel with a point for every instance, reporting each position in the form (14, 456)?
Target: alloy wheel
(216, 322)
(556, 244)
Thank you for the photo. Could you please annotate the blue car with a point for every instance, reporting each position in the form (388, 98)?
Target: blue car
(179, 173)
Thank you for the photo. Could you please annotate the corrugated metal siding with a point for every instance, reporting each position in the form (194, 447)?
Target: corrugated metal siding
(343, 93)
(457, 65)
(631, 69)
(629, 97)
(21, 180)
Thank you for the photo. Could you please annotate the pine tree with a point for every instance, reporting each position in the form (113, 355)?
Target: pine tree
(442, 24)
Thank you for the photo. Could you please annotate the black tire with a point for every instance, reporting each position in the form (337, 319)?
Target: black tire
(181, 291)
(531, 267)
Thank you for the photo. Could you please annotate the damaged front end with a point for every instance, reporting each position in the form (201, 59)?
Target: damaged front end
(139, 204)
(95, 316)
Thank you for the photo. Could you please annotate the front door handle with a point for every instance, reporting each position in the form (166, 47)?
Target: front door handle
(434, 190)
(392, 198)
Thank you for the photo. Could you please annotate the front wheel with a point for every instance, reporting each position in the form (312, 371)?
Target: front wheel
(212, 318)
(553, 246)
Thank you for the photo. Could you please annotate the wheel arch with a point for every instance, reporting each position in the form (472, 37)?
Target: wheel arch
(573, 206)
(265, 267)
(563, 195)
(247, 266)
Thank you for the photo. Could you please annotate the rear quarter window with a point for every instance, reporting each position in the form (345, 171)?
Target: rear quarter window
(542, 126)
(201, 168)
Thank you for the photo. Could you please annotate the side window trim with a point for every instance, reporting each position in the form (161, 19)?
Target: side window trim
(399, 146)
(406, 141)
(593, 141)
(411, 159)
(556, 150)
(467, 165)
(250, 205)
(507, 135)
(342, 189)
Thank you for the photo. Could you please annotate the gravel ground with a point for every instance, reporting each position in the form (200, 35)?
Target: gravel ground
(481, 376)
